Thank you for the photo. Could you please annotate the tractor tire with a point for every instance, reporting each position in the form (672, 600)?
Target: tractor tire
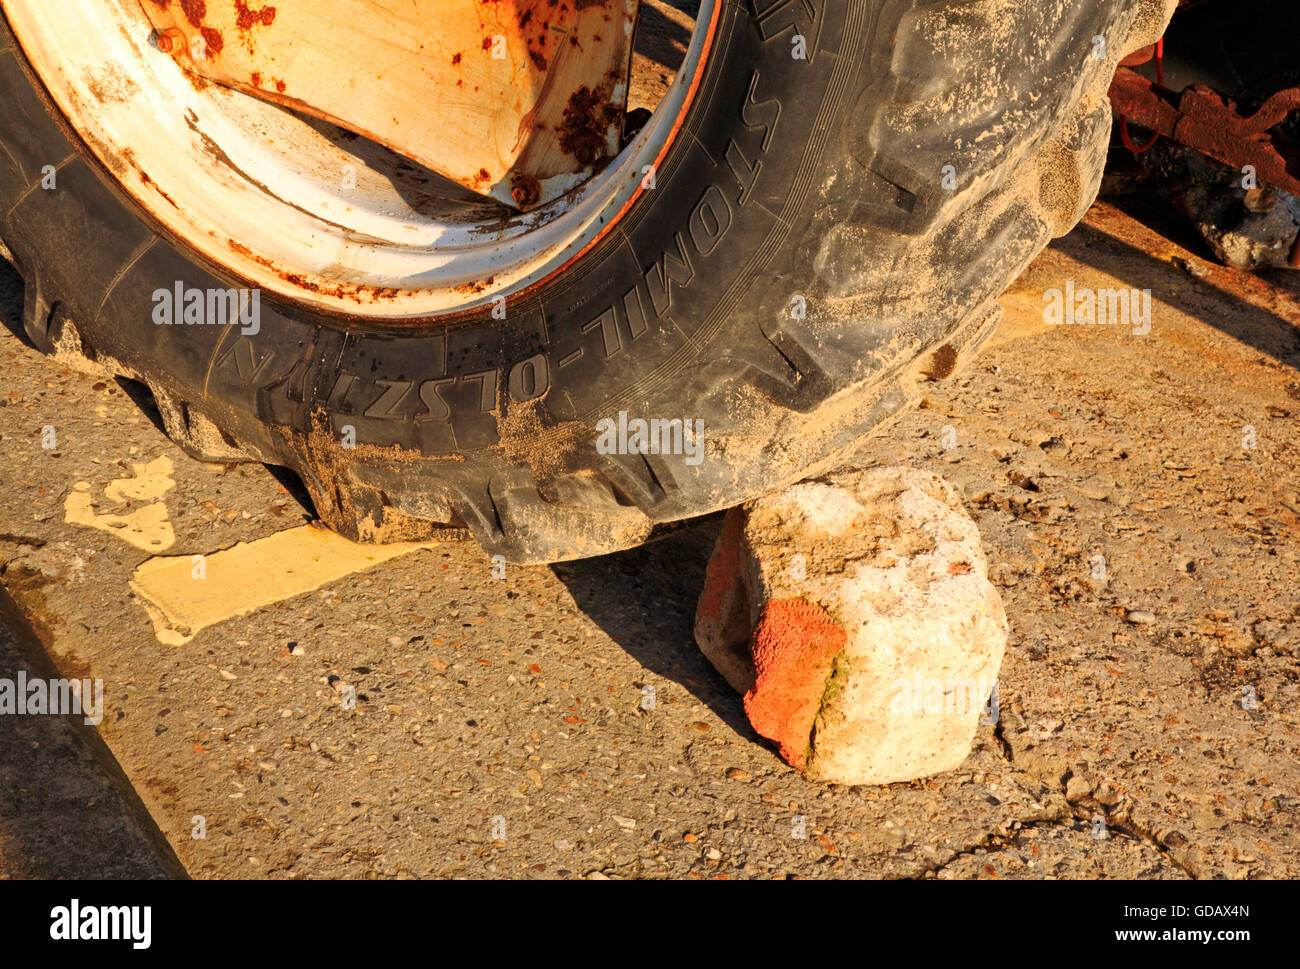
(861, 181)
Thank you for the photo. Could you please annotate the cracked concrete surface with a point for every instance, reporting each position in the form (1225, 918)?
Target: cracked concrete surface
(560, 721)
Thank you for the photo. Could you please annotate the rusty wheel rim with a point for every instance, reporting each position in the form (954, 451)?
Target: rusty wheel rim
(300, 209)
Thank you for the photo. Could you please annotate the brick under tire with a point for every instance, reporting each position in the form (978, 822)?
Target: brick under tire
(805, 257)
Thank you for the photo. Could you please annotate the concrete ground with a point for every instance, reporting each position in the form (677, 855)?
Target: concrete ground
(67, 809)
(1137, 495)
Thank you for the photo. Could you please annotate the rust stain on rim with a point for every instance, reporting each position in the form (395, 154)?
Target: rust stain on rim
(673, 132)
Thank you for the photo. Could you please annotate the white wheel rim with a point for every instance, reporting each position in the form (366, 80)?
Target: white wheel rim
(268, 196)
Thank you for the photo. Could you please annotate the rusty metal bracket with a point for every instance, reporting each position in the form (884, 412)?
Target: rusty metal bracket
(1203, 119)
(520, 100)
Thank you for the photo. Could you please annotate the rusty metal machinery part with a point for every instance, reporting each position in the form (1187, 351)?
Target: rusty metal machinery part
(520, 101)
(1203, 119)
(1225, 87)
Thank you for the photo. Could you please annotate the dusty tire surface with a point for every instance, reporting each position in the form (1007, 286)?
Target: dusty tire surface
(827, 230)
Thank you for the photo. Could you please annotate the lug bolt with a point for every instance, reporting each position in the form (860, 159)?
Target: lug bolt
(170, 39)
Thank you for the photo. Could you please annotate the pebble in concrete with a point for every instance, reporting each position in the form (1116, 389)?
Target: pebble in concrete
(855, 615)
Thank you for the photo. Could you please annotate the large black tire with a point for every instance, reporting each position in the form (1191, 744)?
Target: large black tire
(802, 262)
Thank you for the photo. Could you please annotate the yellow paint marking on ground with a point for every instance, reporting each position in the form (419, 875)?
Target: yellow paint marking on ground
(146, 526)
(184, 593)
(151, 481)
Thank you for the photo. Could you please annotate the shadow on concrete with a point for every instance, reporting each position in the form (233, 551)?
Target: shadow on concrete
(644, 599)
(659, 39)
(67, 809)
(1266, 322)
